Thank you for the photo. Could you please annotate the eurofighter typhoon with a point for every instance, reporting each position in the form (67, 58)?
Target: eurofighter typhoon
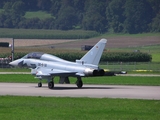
(46, 66)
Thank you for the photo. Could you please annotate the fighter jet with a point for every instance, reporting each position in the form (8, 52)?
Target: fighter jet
(46, 66)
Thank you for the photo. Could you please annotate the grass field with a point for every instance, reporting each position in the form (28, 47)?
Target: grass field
(47, 108)
(45, 34)
(156, 57)
(15, 70)
(129, 35)
(107, 80)
(38, 14)
(154, 50)
(151, 67)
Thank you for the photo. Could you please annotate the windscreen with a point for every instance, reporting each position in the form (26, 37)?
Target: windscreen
(34, 55)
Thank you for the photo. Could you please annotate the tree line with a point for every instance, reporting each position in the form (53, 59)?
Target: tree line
(118, 16)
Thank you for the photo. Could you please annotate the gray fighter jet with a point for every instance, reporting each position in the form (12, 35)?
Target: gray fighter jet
(46, 66)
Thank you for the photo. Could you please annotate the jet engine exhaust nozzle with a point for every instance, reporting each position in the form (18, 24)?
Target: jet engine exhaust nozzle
(92, 72)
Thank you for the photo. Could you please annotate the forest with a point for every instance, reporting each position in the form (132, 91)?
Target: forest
(117, 16)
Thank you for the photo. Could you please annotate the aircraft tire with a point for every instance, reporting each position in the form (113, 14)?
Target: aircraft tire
(51, 85)
(39, 84)
(79, 84)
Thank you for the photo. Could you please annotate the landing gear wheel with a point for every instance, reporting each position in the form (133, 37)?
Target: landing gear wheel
(51, 85)
(39, 84)
(79, 83)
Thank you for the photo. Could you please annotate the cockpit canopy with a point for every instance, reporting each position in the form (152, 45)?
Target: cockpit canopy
(34, 55)
(43, 56)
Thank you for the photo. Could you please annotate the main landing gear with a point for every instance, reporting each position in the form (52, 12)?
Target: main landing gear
(51, 84)
(79, 83)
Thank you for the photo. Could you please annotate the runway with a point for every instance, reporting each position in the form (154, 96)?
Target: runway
(92, 91)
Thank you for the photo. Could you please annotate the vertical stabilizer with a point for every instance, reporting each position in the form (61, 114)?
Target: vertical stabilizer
(93, 56)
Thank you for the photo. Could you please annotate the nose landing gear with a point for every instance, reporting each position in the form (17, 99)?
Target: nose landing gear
(39, 84)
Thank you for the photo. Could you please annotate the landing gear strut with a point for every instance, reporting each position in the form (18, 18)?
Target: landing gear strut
(79, 82)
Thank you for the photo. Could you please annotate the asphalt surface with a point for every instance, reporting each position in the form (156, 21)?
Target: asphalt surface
(92, 91)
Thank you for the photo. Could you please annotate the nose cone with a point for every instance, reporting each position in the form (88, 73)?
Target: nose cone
(16, 62)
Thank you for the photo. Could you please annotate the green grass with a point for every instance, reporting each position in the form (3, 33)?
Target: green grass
(14, 70)
(156, 57)
(45, 34)
(47, 108)
(38, 14)
(154, 50)
(129, 35)
(147, 49)
(132, 66)
(106, 80)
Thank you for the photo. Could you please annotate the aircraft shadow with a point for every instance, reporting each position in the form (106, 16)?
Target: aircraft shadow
(75, 88)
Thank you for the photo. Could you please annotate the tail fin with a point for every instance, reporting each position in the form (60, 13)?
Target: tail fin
(93, 56)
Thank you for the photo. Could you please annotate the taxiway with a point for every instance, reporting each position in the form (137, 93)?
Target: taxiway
(92, 91)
